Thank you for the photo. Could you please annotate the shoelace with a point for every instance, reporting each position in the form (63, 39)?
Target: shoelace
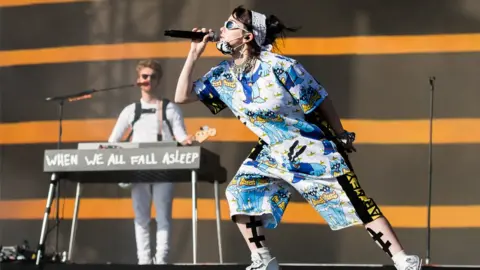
(411, 263)
(257, 262)
(256, 265)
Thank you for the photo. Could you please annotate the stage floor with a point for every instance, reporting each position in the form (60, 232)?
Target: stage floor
(30, 266)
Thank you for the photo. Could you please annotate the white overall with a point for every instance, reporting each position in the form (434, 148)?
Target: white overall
(143, 194)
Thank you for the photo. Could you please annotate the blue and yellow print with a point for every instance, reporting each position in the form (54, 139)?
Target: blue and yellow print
(293, 163)
(273, 102)
(248, 190)
(328, 203)
(279, 202)
(250, 85)
(273, 125)
(307, 92)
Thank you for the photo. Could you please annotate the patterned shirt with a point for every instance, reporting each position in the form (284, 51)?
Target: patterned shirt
(272, 101)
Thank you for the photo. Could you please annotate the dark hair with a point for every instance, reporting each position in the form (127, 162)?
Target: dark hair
(275, 28)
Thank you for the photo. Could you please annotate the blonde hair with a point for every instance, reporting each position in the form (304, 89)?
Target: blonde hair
(150, 63)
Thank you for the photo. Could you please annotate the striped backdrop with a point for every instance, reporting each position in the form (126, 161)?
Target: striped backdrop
(374, 57)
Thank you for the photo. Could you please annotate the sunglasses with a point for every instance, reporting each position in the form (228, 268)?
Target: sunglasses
(231, 25)
(152, 76)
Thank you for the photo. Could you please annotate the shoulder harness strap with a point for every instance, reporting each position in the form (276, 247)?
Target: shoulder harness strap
(138, 113)
(164, 115)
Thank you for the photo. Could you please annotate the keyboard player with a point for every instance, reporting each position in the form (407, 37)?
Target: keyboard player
(147, 124)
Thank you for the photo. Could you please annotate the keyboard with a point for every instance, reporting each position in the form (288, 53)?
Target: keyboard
(133, 162)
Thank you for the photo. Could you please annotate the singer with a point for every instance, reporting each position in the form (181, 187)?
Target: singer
(303, 145)
(148, 124)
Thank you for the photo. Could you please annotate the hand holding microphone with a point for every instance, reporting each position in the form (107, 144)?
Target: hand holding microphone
(193, 35)
(199, 38)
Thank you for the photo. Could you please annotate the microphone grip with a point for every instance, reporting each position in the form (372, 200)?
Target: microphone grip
(187, 34)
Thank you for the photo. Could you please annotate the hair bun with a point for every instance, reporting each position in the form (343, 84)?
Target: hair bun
(275, 29)
(274, 24)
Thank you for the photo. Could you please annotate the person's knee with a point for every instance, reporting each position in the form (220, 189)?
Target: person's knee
(163, 214)
(163, 221)
(142, 214)
(375, 220)
(240, 219)
(244, 219)
(142, 220)
(142, 210)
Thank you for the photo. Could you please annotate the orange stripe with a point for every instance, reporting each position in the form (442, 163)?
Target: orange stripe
(13, 3)
(297, 212)
(293, 46)
(98, 53)
(231, 130)
(383, 44)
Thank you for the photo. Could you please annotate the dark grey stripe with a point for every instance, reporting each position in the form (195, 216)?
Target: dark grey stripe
(102, 241)
(363, 87)
(117, 21)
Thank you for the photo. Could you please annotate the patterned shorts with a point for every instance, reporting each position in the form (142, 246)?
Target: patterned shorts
(262, 190)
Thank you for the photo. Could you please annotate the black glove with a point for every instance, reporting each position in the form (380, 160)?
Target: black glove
(346, 139)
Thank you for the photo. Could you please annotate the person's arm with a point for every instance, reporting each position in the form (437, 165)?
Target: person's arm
(313, 98)
(327, 110)
(122, 124)
(178, 125)
(184, 92)
(120, 127)
(201, 89)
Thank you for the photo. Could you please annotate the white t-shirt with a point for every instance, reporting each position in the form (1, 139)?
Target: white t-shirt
(147, 126)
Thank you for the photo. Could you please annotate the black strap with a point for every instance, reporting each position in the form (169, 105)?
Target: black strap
(164, 115)
(138, 113)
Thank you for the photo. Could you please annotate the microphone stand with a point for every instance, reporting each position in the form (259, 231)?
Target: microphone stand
(54, 180)
(430, 169)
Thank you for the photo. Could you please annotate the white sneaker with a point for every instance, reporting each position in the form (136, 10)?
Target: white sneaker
(158, 261)
(145, 261)
(261, 264)
(411, 262)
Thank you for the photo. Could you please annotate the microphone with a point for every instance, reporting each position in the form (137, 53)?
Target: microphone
(191, 34)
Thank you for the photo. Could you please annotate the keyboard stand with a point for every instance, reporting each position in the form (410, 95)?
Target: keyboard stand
(194, 219)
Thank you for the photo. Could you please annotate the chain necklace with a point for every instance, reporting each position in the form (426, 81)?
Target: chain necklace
(245, 67)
